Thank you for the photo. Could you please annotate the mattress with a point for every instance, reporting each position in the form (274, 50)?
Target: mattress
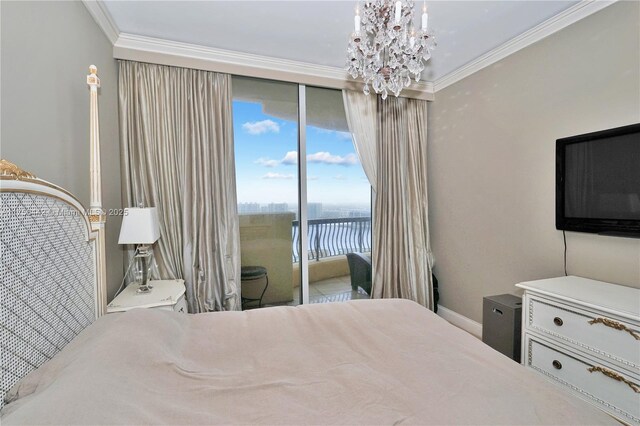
(359, 362)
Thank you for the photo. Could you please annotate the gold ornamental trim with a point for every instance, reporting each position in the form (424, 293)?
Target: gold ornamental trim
(7, 168)
(616, 325)
(615, 376)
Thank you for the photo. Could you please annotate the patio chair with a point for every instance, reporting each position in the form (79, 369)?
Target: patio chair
(360, 271)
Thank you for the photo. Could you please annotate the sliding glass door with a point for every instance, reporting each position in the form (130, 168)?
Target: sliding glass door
(265, 122)
(303, 198)
(339, 202)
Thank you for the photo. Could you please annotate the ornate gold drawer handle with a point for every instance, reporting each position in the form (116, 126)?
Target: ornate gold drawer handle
(615, 376)
(615, 324)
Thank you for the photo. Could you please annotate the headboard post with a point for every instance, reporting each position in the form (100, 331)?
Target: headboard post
(97, 216)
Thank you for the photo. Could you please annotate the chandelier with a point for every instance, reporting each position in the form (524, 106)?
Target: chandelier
(385, 49)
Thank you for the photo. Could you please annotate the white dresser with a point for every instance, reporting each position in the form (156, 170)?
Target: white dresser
(585, 335)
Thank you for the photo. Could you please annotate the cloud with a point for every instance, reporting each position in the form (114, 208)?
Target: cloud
(323, 157)
(277, 176)
(312, 178)
(327, 158)
(291, 158)
(260, 127)
(267, 162)
(340, 177)
(337, 133)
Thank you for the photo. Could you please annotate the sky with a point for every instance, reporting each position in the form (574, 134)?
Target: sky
(266, 161)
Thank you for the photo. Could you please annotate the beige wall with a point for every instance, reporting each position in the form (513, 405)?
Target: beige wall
(46, 50)
(492, 160)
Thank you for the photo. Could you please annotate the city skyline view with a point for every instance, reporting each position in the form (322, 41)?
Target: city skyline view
(314, 210)
(266, 163)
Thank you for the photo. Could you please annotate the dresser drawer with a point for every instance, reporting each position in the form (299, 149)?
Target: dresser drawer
(613, 339)
(589, 379)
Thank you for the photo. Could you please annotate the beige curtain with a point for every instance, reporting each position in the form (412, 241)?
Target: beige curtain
(361, 113)
(401, 252)
(177, 155)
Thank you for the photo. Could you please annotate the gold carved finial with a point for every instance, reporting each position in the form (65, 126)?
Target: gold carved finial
(7, 168)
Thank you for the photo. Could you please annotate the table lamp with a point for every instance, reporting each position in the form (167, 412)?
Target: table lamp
(140, 227)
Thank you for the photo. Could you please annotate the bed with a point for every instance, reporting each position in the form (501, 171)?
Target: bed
(360, 362)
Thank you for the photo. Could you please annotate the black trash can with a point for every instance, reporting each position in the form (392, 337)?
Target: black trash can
(502, 324)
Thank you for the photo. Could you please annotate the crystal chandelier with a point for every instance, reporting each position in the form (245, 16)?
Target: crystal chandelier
(385, 49)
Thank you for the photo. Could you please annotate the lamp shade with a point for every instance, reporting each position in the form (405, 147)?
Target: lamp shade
(139, 226)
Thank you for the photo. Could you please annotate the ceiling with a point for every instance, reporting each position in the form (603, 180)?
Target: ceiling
(316, 32)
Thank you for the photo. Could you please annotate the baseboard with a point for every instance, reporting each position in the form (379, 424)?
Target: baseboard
(461, 321)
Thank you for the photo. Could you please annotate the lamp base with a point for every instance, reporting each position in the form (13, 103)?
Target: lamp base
(143, 257)
(144, 288)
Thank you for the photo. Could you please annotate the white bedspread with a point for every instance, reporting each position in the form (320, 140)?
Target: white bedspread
(361, 362)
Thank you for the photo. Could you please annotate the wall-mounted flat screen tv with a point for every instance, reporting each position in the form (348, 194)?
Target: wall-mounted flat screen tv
(598, 182)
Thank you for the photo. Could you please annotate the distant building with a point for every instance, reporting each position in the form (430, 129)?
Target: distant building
(359, 213)
(314, 210)
(248, 208)
(275, 208)
(331, 214)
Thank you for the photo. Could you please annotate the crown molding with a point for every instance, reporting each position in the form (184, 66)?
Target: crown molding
(102, 17)
(167, 52)
(556, 23)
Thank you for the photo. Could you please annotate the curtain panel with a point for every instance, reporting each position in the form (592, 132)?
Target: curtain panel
(402, 251)
(361, 111)
(177, 154)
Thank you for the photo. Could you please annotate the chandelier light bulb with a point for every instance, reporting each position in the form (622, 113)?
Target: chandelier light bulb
(385, 50)
(425, 18)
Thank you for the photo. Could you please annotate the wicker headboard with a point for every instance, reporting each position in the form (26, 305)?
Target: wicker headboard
(49, 287)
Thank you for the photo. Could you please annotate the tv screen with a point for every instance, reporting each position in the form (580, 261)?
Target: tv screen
(598, 182)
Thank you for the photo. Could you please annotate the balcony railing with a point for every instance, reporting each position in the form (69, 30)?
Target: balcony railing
(333, 237)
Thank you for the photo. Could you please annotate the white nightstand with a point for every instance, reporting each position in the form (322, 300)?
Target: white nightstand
(166, 294)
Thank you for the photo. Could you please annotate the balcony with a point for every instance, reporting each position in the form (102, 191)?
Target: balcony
(333, 237)
(273, 241)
